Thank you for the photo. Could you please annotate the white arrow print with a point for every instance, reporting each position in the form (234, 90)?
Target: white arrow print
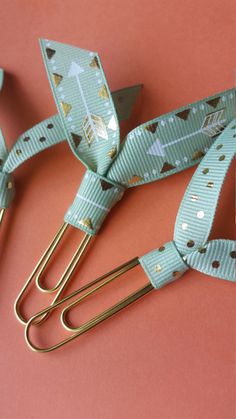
(157, 149)
(75, 71)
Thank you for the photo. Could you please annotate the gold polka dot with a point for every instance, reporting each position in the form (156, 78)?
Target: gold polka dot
(202, 250)
(184, 226)
(205, 171)
(210, 184)
(194, 198)
(215, 264)
(219, 146)
(26, 139)
(200, 214)
(221, 158)
(233, 254)
(18, 152)
(9, 185)
(161, 249)
(157, 268)
(190, 243)
(176, 274)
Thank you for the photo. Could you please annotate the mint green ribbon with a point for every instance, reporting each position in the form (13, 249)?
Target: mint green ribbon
(44, 135)
(190, 247)
(154, 150)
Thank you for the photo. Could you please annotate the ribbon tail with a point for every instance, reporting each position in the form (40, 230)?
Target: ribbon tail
(172, 142)
(43, 135)
(216, 258)
(84, 103)
(124, 100)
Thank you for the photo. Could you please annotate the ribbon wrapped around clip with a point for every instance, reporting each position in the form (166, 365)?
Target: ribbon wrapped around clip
(161, 147)
(190, 247)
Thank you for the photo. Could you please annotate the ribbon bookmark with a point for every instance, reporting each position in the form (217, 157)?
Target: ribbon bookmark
(190, 247)
(156, 149)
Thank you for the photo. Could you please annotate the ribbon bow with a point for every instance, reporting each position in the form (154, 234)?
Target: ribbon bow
(161, 147)
(42, 136)
(189, 249)
(156, 149)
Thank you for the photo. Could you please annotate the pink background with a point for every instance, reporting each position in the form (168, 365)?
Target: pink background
(172, 355)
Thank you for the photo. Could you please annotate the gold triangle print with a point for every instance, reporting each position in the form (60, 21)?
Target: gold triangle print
(183, 114)
(166, 167)
(198, 154)
(152, 127)
(112, 152)
(57, 78)
(66, 107)
(86, 222)
(103, 93)
(213, 102)
(50, 52)
(134, 179)
(105, 185)
(94, 63)
(76, 139)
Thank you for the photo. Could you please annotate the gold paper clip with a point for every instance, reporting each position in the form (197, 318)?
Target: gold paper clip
(42, 265)
(2, 213)
(92, 287)
(124, 100)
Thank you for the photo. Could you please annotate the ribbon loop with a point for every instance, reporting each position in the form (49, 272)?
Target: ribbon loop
(172, 142)
(95, 198)
(163, 265)
(197, 209)
(84, 103)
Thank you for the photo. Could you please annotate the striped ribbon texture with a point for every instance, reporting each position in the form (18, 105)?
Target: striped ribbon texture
(190, 247)
(153, 150)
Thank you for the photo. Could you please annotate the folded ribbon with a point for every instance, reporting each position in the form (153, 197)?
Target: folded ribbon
(161, 147)
(43, 135)
(190, 247)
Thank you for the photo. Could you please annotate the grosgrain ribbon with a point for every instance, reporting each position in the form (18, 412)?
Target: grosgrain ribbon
(190, 247)
(44, 135)
(156, 149)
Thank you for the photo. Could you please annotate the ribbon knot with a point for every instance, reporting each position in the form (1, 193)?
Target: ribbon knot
(156, 149)
(94, 199)
(163, 265)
